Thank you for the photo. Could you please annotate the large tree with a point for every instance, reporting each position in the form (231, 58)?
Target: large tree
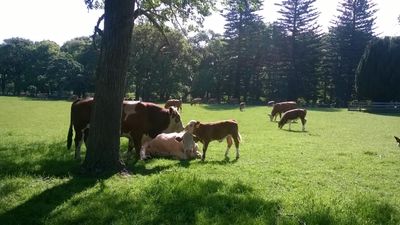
(352, 30)
(299, 23)
(119, 16)
(378, 74)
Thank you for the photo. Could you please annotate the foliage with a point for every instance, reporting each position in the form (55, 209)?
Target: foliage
(302, 33)
(378, 74)
(338, 172)
(352, 31)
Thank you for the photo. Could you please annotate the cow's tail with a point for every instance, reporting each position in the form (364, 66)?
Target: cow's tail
(70, 131)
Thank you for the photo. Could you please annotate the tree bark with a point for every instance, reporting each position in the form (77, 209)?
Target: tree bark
(104, 138)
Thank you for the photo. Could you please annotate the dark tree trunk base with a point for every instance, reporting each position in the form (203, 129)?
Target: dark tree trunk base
(99, 167)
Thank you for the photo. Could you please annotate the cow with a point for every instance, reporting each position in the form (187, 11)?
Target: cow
(138, 119)
(174, 102)
(242, 105)
(291, 115)
(179, 146)
(195, 101)
(280, 108)
(207, 132)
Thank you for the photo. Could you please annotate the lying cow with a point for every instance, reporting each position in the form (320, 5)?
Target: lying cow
(280, 108)
(138, 119)
(174, 102)
(291, 115)
(207, 132)
(173, 145)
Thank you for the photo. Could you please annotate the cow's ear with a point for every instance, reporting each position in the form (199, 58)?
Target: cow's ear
(197, 125)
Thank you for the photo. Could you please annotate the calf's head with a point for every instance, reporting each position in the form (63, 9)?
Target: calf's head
(191, 126)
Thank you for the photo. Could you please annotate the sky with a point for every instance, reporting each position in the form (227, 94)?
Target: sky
(62, 20)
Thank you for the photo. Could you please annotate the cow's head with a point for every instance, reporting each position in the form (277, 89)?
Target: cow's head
(191, 126)
(270, 117)
(175, 122)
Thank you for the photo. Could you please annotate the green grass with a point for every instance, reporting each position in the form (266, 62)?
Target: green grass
(345, 169)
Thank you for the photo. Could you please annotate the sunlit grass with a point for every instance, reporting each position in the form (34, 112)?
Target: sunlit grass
(343, 170)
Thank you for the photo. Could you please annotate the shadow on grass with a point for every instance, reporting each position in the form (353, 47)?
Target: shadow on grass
(324, 109)
(384, 114)
(218, 107)
(36, 209)
(174, 200)
(41, 159)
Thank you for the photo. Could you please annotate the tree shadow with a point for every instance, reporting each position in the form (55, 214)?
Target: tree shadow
(385, 114)
(36, 209)
(176, 200)
(322, 109)
(38, 159)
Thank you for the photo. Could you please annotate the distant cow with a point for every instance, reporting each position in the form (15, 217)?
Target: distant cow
(169, 145)
(138, 119)
(174, 102)
(207, 132)
(280, 108)
(242, 105)
(291, 115)
(195, 101)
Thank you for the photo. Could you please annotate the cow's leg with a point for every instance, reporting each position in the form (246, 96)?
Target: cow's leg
(205, 146)
(303, 122)
(78, 143)
(137, 142)
(85, 136)
(236, 140)
(229, 144)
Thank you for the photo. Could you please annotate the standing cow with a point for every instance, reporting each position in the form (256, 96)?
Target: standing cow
(207, 132)
(280, 108)
(291, 115)
(195, 101)
(138, 119)
(174, 102)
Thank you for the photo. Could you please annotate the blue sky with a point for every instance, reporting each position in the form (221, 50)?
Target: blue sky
(62, 20)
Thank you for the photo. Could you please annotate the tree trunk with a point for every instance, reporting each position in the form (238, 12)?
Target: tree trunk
(104, 138)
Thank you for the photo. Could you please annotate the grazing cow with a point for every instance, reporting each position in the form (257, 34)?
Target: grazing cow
(207, 132)
(174, 102)
(138, 119)
(291, 115)
(195, 101)
(175, 145)
(242, 105)
(398, 140)
(280, 108)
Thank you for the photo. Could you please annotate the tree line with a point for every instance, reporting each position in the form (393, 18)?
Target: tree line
(289, 59)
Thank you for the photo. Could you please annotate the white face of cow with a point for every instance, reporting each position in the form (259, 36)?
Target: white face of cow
(190, 126)
(175, 122)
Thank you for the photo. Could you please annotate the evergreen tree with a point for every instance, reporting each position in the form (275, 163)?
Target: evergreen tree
(242, 32)
(302, 35)
(352, 31)
(378, 74)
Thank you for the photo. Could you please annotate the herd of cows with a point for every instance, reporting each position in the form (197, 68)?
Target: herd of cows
(155, 131)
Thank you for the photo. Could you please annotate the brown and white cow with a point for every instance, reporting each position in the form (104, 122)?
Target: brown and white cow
(291, 115)
(179, 146)
(174, 102)
(280, 108)
(207, 132)
(195, 101)
(138, 119)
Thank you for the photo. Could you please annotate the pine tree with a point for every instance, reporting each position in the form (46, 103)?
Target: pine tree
(299, 23)
(242, 33)
(352, 31)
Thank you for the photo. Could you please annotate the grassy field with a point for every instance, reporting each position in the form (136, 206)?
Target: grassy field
(345, 169)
